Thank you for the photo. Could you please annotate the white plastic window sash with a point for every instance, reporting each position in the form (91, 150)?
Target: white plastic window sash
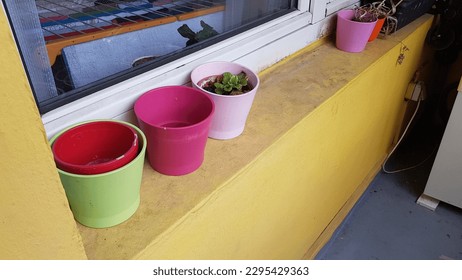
(333, 6)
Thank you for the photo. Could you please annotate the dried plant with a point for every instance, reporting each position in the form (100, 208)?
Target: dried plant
(383, 11)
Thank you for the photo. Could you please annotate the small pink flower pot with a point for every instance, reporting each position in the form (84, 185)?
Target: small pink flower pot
(352, 36)
(176, 122)
(231, 111)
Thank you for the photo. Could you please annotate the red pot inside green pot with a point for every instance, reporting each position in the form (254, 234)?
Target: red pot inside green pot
(95, 147)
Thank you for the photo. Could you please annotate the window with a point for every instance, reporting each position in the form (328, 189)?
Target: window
(87, 45)
(83, 65)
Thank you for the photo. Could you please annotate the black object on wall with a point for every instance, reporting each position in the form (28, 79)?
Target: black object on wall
(408, 10)
(445, 38)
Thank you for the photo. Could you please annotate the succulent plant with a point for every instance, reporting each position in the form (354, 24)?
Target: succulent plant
(231, 84)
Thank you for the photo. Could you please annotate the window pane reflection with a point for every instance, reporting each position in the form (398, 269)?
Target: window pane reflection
(93, 44)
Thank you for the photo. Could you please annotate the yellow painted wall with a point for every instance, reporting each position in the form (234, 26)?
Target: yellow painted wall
(35, 219)
(280, 204)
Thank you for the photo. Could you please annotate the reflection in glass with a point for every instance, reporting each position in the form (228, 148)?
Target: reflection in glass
(89, 45)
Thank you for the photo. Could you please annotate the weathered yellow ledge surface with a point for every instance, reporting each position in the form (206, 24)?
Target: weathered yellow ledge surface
(321, 123)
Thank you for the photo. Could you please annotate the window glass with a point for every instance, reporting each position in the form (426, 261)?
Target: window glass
(73, 48)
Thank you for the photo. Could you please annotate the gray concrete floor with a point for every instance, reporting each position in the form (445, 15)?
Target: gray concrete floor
(387, 224)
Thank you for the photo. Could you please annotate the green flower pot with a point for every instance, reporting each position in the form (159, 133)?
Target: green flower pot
(106, 199)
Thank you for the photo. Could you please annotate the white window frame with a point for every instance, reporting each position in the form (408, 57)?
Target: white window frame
(257, 48)
(333, 6)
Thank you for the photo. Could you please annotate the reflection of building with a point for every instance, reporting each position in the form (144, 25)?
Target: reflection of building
(117, 53)
(89, 37)
(86, 45)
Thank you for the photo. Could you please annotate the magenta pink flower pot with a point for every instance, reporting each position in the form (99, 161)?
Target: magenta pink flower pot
(231, 111)
(176, 122)
(352, 36)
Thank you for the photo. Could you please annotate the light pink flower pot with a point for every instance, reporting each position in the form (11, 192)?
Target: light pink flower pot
(352, 36)
(230, 111)
(176, 121)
